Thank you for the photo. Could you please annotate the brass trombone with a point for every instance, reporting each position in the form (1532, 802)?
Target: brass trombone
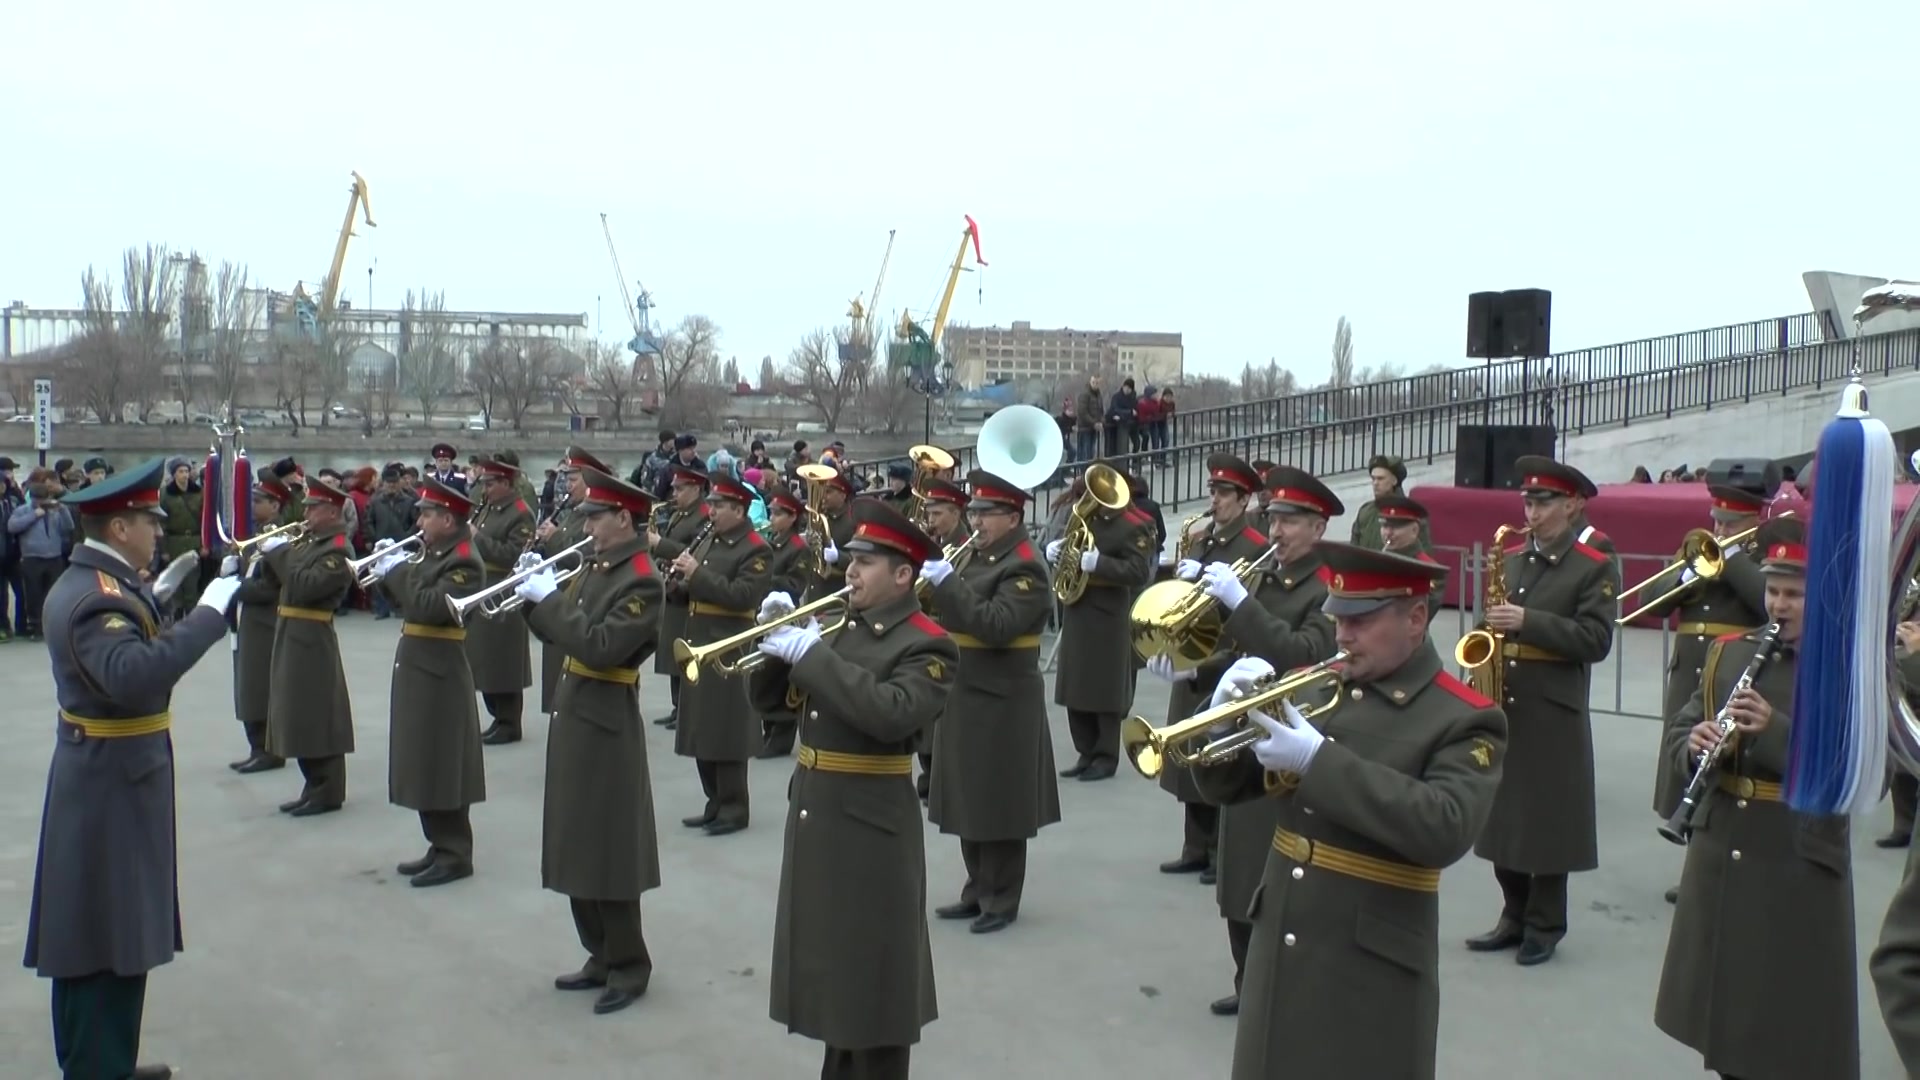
(1150, 748)
(499, 597)
(1701, 552)
(362, 567)
(292, 530)
(715, 654)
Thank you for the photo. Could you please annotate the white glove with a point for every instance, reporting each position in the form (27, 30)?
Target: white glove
(272, 543)
(1239, 680)
(1687, 576)
(1188, 570)
(527, 561)
(1288, 747)
(1219, 582)
(832, 554)
(218, 594)
(383, 543)
(775, 605)
(1161, 667)
(230, 566)
(789, 643)
(936, 571)
(1089, 559)
(387, 563)
(1053, 550)
(537, 587)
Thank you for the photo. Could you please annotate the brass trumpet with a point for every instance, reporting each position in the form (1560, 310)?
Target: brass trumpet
(292, 530)
(362, 567)
(1150, 748)
(1701, 552)
(499, 597)
(923, 587)
(715, 654)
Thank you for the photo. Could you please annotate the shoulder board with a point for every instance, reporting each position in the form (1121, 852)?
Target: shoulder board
(705, 510)
(1741, 636)
(642, 566)
(1254, 535)
(1025, 551)
(1426, 558)
(1593, 553)
(109, 585)
(464, 549)
(1138, 516)
(340, 541)
(754, 539)
(797, 541)
(925, 625)
(1591, 535)
(521, 505)
(1325, 574)
(1462, 691)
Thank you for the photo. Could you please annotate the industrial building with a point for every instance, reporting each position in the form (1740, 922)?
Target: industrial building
(984, 355)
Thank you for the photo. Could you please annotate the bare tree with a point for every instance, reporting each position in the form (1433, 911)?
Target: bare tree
(769, 378)
(822, 379)
(291, 364)
(510, 374)
(1205, 392)
(97, 367)
(149, 294)
(332, 348)
(613, 377)
(887, 402)
(1270, 381)
(730, 374)
(235, 311)
(426, 369)
(689, 373)
(1342, 375)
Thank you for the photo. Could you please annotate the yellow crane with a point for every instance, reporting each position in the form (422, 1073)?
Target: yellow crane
(858, 344)
(919, 348)
(307, 314)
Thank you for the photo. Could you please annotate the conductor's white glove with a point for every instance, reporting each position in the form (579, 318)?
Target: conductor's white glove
(936, 571)
(1161, 666)
(1187, 570)
(1089, 559)
(537, 587)
(832, 554)
(1219, 581)
(1238, 680)
(1288, 747)
(230, 566)
(789, 643)
(775, 605)
(272, 543)
(218, 594)
(1053, 550)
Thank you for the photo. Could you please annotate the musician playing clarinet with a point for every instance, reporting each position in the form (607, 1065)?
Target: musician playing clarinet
(1757, 1003)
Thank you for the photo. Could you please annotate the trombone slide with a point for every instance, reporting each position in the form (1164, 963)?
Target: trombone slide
(692, 658)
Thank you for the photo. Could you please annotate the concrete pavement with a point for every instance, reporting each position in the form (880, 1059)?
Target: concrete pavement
(308, 958)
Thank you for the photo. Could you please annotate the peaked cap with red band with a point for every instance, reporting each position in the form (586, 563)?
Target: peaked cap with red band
(723, 486)
(878, 526)
(784, 500)
(438, 496)
(607, 492)
(1290, 490)
(321, 490)
(1545, 476)
(987, 491)
(691, 474)
(946, 491)
(1360, 580)
(1399, 508)
(1781, 545)
(580, 458)
(1732, 503)
(492, 469)
(1231, 471)
(137, 488)
(443, 450)
(272, 488)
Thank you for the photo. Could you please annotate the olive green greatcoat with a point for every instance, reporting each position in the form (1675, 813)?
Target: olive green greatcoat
(1895, 963)
(1291, 632)
(569, 528)
(433, 743)
(1229, 543)
(598, 840)
(716, 722)
(310, 713)
(1366, 528)
(1096, 636)
(1586, 534)
(993, 775)
(1735, 599)
(1760, 972)
(254, 628)
(683, 527)
(923, 742)
(851, 962)
(497, 646)
(791, 574)
(1343, 973)
(1543, 819)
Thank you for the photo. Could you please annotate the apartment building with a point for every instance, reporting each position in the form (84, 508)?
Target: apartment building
(983, 355)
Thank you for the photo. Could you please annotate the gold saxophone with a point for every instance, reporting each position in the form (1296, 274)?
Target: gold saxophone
(1479, 651)
(1189, 538)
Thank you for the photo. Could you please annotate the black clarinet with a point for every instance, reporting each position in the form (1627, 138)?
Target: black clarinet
(674, 576)
(1679, 827)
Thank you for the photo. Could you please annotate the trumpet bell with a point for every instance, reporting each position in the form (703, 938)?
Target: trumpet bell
(1022, 445)
(1165, 623)
(1187, 742)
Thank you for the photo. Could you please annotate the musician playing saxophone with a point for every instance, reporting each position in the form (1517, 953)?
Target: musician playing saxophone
(1558, 623)
(1757, 1003)
(946, 510)
(791, 574)
(1227, 536)
(1387, 790)
(690, 514)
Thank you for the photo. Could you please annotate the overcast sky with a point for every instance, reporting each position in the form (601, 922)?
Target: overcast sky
(1242, 173)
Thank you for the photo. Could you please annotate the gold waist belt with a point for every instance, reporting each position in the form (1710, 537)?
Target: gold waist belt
(120, 728)
(1515, 650)
(314, 614)
(443, 633)
(1746, 787)
(624, 676)
(968, 641)
(700, 607)
(1712, 629)
(1353, 864)
(861, 764)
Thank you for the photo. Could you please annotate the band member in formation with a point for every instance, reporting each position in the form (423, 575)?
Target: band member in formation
(598, 845)
(497, 647)
(1228, 535)
(1096, 636)
(1709, 609)
(790, 576)
(1388, 476)
(254, 628)
(1558, 623)
(1895, 963)
(851, 962)
(310, 718)
(993, 783)
(834, 497)
(106, 907)
(433, 747)
(1755, 1002)
(1375, 797)
(1287, 628)
(946, 513)
(724, 578)
(1903, 790)
(1403, 524)
(562, 529)
(687, 519)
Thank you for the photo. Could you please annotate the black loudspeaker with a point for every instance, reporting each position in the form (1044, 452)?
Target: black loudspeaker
(1518, 322)
(1761, 476)
(1483, 455)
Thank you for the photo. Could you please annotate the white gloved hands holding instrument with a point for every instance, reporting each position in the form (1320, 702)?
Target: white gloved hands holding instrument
(775, 605)
(1088, 560)
(387, 563)
(1238, 681)
(537, 586)
(1187, 570)
(1161, 667)
(1289, 746)
(230, 566)
(1220, 582)
(789, 643)
(1053, 551)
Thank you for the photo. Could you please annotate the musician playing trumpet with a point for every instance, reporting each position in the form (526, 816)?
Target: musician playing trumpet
(434, 764)
(498, 650)
(256, 623)
(790, 576)
(687, 488)
(1342, 976)
(946, 513)
(563, 528)
(1757, 1003)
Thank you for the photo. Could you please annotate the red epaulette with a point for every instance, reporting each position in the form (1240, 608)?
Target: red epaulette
(926, 625)
(797, 540)
(521, 505)
(1025, 551)
(642, 565)
(465, 550)
(1426, 558)
(1325, 574)
(1138, 516)
(754, 539)
(705, 510)
(1254, 535)
(1462, 691)
(1593, 553)
(340, 541)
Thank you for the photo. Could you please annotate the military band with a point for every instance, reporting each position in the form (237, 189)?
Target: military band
(1403, 527)
(852, 965)
(790, 576)
(310, 713)
(1376, 796)
(993, 773)
(256, 623)
(560, 530)
(835, 495)
(687, 519)
(945, 508)
(598, 845)
(497, 647)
